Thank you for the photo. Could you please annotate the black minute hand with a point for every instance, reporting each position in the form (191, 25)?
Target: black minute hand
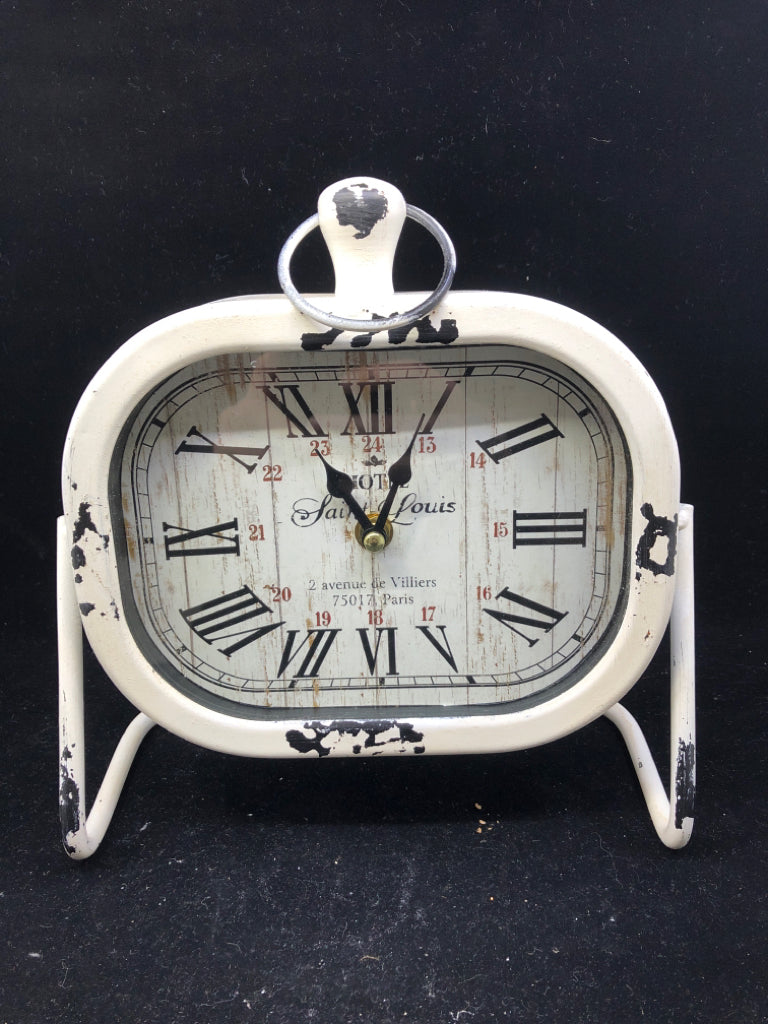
(399, 474)
(341, 485)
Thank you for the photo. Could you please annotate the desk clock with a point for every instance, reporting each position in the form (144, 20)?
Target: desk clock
(373, 523)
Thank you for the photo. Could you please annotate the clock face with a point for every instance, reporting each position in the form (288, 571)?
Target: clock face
(496, 582)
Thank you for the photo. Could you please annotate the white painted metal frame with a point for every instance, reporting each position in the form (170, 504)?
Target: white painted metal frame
(270, 322)
(88, 571)
(672, 815)
(81, 832)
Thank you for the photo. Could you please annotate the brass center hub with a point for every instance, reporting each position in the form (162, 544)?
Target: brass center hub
(374, 540)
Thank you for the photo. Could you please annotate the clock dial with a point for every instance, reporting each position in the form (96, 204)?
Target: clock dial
(434, 528)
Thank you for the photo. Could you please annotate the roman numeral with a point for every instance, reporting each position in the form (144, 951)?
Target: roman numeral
(444, 648)
(549, 528)
(302, 418)
(222, 618)
(537, 616)
(376, 417)
(318, 643)
(428, 426)
(223, 544)
(371, 655)
(204, 445)
(526, 436)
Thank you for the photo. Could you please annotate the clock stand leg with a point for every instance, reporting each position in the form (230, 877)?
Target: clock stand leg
(82, 833)
(672, 815)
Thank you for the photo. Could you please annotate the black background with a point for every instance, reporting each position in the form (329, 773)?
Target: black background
(609, 156)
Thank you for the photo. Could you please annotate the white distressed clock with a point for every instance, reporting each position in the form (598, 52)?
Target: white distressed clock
(372, 523)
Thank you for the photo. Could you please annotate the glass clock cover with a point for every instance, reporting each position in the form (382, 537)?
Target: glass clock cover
(506, 562)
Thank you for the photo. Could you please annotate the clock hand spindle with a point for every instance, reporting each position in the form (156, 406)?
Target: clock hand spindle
(399, 474)
(341, 485)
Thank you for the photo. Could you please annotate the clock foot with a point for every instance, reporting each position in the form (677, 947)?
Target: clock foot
(672, 815)
(81, 832)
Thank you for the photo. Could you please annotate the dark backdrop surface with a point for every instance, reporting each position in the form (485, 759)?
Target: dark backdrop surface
(609, 156)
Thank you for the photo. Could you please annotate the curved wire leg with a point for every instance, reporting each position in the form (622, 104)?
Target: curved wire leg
(82, 833)
(672, 815)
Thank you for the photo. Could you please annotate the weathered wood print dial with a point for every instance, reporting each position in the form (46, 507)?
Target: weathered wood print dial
(386, 528)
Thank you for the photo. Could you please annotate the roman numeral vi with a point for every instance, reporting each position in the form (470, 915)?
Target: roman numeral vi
(371, 654)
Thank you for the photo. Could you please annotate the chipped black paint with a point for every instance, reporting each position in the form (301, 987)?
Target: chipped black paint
(315, 342)
(78, 557)
(85, 523)
(446, 333)
(372, 730)
(685, 782)
(362, 210)
(69, 800)
(78, 577)
(426, 334)
(658, 526)
(86, 607)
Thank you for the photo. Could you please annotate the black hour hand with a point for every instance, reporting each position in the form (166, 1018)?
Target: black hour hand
(341, 485)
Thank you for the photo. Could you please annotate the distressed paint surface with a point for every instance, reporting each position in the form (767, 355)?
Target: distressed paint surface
(657, 547)
(422, 332)
(328, 738)
(69, 799)
(506, 565)
(685, 777)
(90, 545)
(361, 206)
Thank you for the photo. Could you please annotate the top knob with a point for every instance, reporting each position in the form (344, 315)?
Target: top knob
(361, 219)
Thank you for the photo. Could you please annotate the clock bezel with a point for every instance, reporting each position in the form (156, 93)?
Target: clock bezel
(255, 323)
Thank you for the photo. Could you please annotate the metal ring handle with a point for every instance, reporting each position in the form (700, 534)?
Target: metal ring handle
(378, 324)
